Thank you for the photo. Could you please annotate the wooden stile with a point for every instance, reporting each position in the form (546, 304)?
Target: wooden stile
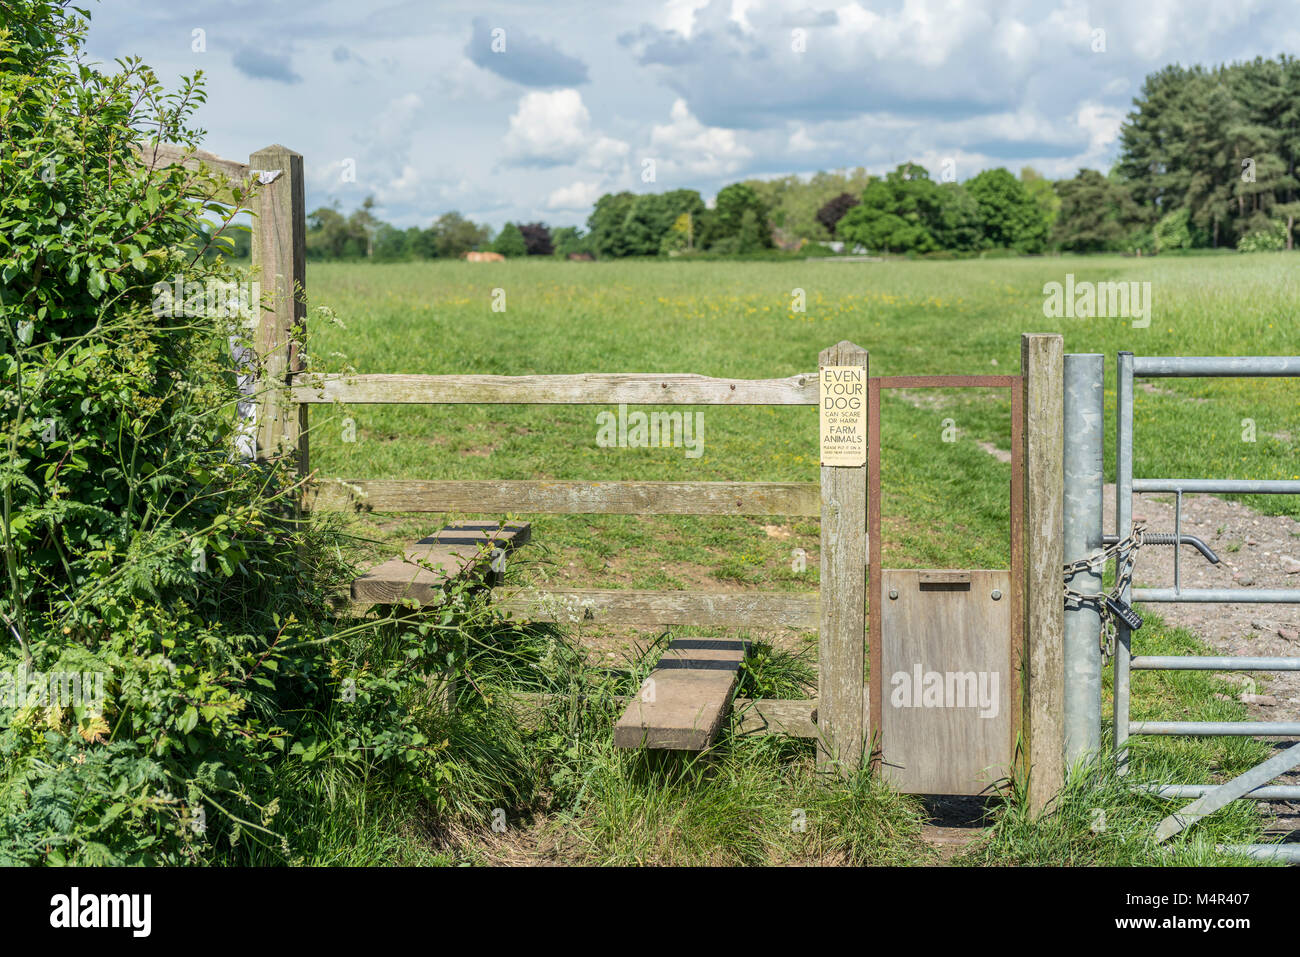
(682, 702)
(696, 678)
(462, 549)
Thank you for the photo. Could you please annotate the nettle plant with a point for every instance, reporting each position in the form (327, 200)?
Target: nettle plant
(135, 543)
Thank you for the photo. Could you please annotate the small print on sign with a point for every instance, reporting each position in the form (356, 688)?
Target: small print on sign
(844, 415)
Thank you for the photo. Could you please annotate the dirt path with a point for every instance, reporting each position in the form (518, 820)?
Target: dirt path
(1255, 551)
(955, 823)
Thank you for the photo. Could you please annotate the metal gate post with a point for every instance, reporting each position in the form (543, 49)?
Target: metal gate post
(1123, 528)
(1084, 428)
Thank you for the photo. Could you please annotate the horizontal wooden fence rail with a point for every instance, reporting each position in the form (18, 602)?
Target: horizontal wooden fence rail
(630, 607)
(588, 389)
(157, 155)
(561, 498)
(160, 155)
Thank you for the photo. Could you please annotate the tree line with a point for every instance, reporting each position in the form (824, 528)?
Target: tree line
(1209, 155)
(1207, 159)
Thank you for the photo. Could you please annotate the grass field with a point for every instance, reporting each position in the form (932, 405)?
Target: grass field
(945, 506)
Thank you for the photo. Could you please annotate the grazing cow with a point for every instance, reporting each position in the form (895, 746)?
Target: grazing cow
(484, 258)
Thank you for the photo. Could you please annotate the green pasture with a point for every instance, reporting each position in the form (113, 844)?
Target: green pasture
(945, 501)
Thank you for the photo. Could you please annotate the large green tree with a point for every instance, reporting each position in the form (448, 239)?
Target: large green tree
(1010, 216)
(739, 220)
(1044, 193)
(906, 211)
(878, 225)
(510, 242)
(652, 216)
(1219, 144)
(1096, 214)
(794, 201)
(605, 224)
(957, 226)
(454, 235)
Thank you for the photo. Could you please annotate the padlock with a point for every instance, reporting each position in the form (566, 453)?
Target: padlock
(1124, 613)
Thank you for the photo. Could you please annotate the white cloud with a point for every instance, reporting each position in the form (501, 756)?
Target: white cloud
(576, 196)
(1102, 124)
(739, 11)
(605, 154)
(394, 123)
(990, 82)
(926, 32)
(381, 158)
(554, 129)
(800, 141)
(679, 15)
(406, 181)
(685, 145)
(548, 128)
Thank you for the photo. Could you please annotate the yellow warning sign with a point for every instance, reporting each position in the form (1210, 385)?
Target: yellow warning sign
(844, 415)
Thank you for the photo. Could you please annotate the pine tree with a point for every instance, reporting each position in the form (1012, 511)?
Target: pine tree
(1096, 214)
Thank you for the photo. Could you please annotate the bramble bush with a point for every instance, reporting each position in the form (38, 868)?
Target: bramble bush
(1267, 240)
(135, 542)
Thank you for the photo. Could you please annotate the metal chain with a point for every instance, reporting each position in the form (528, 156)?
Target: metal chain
(1125, 552)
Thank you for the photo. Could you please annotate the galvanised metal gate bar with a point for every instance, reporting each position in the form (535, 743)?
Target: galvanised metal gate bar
(1253, 783)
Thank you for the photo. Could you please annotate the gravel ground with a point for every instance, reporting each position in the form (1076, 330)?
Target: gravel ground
(1255, 551)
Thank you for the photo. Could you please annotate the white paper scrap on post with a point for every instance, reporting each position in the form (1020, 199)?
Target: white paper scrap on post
(843, 415)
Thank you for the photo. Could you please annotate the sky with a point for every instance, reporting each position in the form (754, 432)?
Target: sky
(529, 111)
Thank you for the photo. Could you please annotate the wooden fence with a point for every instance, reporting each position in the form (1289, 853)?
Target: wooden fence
(843, 551)
(840, 715)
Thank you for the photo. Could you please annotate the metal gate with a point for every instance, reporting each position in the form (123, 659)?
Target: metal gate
(1083, 398)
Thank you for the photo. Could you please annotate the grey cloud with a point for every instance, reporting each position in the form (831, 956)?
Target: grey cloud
(261, 65)
(660, 47)
(527, 59)
(752, 78)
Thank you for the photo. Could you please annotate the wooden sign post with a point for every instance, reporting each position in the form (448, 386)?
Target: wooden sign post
(842, 637)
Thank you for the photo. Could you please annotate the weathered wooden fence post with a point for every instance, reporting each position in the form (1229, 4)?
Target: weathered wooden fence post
(280, 258)
(1043, 682)
(841, 639)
